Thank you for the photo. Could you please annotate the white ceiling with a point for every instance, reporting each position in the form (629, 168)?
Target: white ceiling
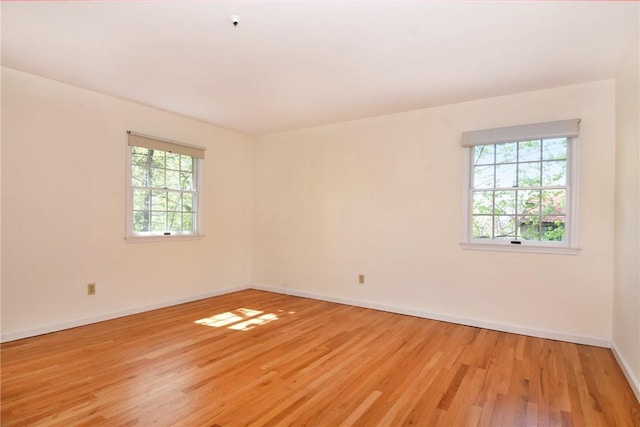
(294, 64)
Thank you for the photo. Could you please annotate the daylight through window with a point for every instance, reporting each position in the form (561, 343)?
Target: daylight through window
(521, 190)
(164, 188)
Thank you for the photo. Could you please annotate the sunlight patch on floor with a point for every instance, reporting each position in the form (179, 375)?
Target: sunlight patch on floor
(241, 319)
(252, 323)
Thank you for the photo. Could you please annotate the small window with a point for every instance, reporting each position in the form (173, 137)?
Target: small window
(521, 194)
(164, 194)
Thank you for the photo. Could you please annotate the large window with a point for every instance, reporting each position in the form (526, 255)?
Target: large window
(164, 194)
(521, 193)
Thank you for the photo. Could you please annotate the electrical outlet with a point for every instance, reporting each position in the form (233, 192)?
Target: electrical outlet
(91, 289)
(361, 279)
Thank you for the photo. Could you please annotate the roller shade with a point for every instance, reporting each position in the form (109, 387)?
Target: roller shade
(138, 140)
(557, 129)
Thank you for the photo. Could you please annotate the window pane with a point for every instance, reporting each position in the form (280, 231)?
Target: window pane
(157, 178)
(158, 221)
(506, 175)
(505, 227)
(186, 163)
(505, 202)
(187, 202)
(187, 221)
(554, 173)
(139, 151)
(140, 159)
(186, 181)
(174, 221)
(528, 202)
(483, 154)
(506, 153)
(173, 179)
(529, 228)
(173, 161)
(554, 149)
(529, 151)
(173, 201)
(158, 200)
(140, 221)
(158, 158)
(554, 202)
(139, 176)
(553, 228)
(482, 227)
(529, 174)
(483, 177)
(483, 202)
(141, 199)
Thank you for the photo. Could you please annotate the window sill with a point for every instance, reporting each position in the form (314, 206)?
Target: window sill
(149, 239)
(496, 247)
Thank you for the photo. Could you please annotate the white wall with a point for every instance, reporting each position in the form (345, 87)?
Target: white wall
(626, 315)
(63, 209)
(382, 197)
(0, 200)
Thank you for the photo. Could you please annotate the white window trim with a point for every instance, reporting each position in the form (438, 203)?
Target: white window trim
(570, 245)
(132, 237)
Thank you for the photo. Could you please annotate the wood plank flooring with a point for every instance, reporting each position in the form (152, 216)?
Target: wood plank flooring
(258, 358)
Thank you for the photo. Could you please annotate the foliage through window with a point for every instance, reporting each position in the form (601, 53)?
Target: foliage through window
(520, 191)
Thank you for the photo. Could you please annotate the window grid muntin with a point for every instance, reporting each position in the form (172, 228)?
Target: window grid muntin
(542, 159)
(188, 168)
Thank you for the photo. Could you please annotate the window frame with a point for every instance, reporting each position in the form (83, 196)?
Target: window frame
(139, 237)
(569, 246)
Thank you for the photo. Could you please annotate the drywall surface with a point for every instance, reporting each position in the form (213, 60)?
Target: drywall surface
(626, 300)
(383, 197)
(63, 208)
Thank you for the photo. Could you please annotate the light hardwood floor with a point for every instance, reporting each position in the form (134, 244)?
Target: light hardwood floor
(259, 358)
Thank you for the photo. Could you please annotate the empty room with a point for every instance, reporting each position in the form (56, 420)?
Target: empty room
(320, 213)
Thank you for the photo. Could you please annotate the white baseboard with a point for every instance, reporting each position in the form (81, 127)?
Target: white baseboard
(502, 327)
(12, 336)
(626, 369)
